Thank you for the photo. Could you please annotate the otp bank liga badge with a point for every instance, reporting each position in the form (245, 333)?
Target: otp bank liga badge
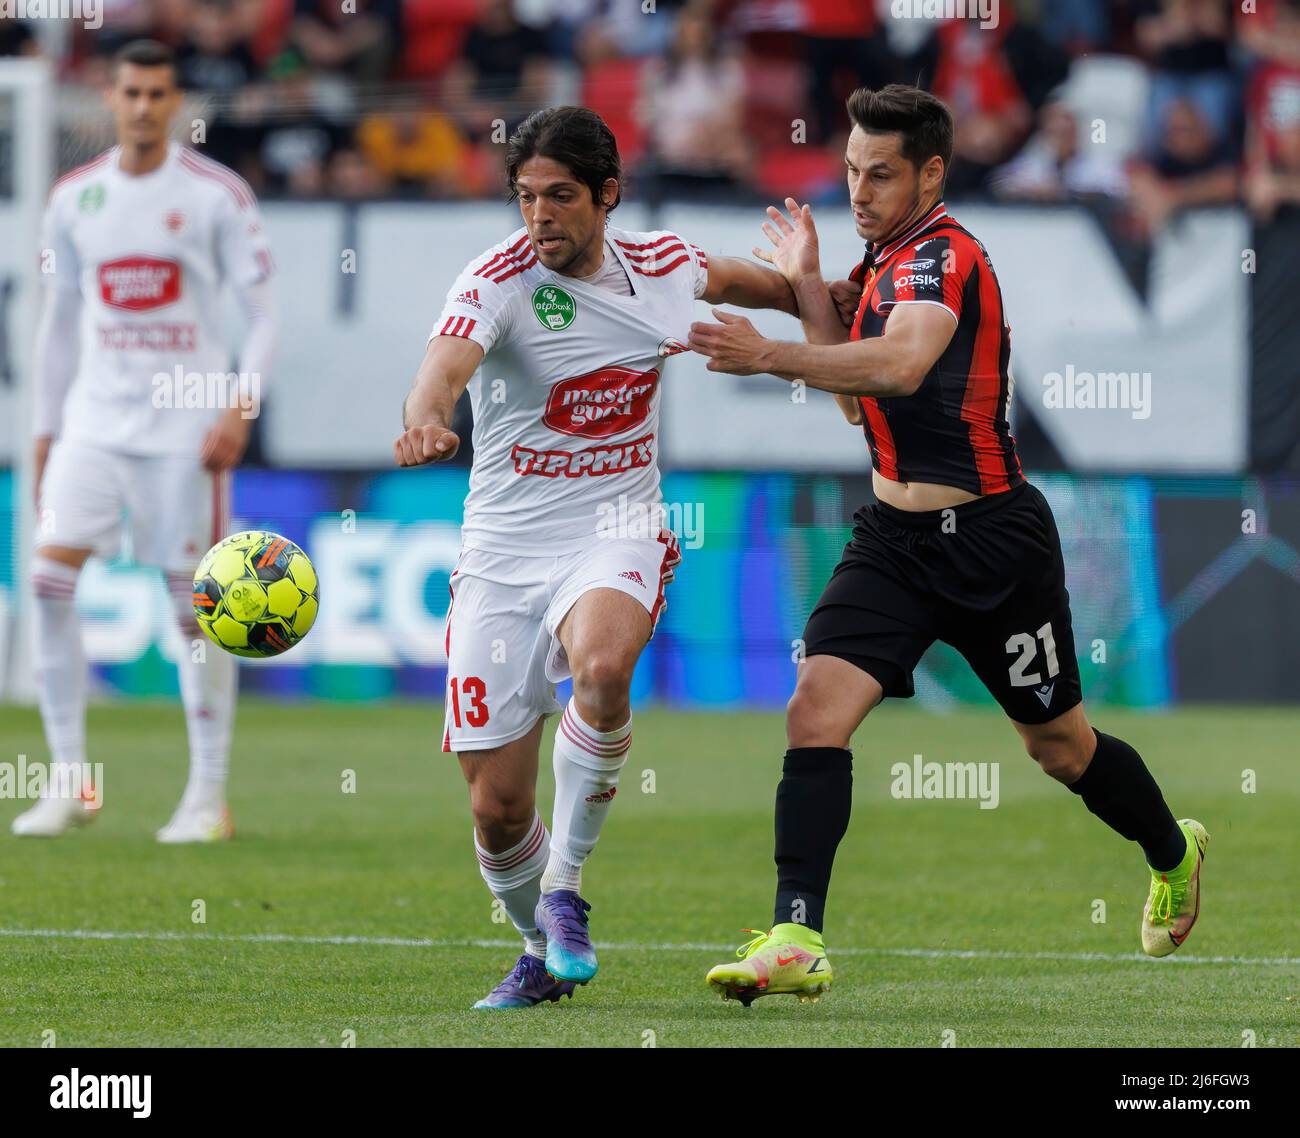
(92, 199)
(555, 308)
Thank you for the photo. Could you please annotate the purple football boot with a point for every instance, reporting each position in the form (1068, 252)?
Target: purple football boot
(527, 985)
(562, 918)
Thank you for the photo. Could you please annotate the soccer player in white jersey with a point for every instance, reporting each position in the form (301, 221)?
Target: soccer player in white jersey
(561, 333)
(137, 246)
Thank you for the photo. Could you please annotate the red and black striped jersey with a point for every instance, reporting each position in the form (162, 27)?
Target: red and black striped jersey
(954, 428)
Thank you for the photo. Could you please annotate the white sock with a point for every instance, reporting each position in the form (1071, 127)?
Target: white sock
(514, 877)
(60, 665)
(208, 687)
(587, 763)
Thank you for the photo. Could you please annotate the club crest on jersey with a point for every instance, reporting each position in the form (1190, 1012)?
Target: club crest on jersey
(669, 346)
(173, 221)
(601, 403)
(554, 307)
(137, 284)
(92, 199)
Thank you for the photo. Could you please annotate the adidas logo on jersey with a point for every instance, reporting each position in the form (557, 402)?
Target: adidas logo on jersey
(632, 575)
(471, 298)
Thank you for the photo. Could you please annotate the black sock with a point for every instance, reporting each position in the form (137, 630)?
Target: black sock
(813, 802)
(1119, 789)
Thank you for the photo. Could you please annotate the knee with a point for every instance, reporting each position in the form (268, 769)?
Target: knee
(1063, 754)
(808, 722)
(51, 579)
(502, 820)
(603, 678)
(187, 623)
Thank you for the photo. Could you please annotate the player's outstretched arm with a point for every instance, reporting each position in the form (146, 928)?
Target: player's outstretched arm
(746, 285)
(884, 366)
(449, 364)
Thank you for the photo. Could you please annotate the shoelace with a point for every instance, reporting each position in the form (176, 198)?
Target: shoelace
(516, 975)
(1162, 901)
(748, 949)
(575, 920)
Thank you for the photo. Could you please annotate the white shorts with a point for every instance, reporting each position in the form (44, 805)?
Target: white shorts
(175, 510)
(503, 656)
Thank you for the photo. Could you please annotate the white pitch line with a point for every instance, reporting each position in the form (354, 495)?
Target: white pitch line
(613, 946)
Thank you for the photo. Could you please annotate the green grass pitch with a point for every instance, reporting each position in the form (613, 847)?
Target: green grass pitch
(947, 922)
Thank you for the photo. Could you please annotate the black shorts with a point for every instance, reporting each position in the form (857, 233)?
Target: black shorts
(986, 577)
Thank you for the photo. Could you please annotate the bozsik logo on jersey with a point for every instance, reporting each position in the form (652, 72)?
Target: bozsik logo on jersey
(600, 403)
(137, 284)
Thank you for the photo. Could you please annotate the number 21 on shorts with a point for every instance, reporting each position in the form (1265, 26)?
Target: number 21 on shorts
(474, 693)
(1027, 647)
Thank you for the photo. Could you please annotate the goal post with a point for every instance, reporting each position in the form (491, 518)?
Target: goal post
(27, 133)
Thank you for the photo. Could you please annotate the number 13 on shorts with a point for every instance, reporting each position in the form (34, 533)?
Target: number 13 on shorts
(470, 694)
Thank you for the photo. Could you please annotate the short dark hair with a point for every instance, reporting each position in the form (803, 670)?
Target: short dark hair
(145, 53)
(574, 136)
(924, 120)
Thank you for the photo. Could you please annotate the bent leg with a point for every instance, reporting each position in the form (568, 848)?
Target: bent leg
(1111, 778)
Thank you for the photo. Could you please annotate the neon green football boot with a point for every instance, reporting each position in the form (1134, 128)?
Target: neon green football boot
(1174, 902)
(788, 961)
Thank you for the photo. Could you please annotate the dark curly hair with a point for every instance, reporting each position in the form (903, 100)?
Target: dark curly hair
(573, 136)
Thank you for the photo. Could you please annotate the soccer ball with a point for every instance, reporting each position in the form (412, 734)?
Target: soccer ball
(255, 594)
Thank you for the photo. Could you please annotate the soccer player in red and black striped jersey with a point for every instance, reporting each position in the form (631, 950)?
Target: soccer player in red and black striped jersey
(958, 546)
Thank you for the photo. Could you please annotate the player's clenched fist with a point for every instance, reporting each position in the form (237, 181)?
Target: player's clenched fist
(419, 445)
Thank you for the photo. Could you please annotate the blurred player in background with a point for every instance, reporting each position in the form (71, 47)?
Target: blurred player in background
(564, 328)
(137, 414)
(958, 547)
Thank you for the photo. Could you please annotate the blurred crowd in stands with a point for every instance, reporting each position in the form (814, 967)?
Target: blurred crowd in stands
(1141, 107)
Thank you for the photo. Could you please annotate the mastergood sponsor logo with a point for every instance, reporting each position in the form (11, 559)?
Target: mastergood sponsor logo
(601, 403)
(137, 284)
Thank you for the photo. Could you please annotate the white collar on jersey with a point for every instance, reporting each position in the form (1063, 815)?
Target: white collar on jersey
(880, 253)
(115, 162)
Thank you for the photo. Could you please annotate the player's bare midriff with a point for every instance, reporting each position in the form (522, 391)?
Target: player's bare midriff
(918, 496)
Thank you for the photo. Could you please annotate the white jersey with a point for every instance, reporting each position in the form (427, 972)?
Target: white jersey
(149, 255)
(566, 401)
